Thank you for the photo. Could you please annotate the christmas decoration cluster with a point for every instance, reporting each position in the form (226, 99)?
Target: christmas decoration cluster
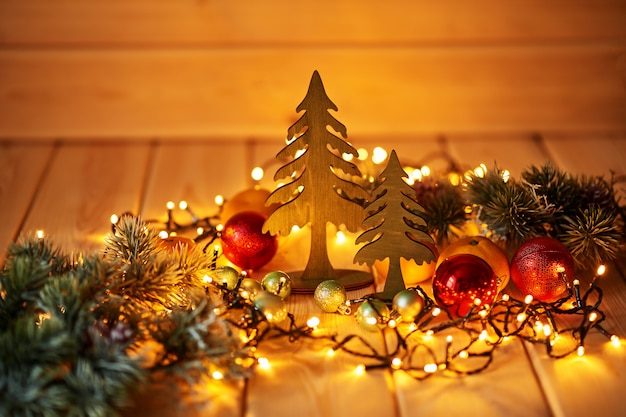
(502, 258)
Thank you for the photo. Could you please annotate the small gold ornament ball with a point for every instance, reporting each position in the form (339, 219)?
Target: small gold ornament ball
(408, 303)
(249, 287)
(226, 275)
(271, 306)
(277, 282)
(372, 315)
(330, 296)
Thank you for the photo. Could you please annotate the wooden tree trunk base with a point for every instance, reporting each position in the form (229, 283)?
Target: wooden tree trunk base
(349, 278)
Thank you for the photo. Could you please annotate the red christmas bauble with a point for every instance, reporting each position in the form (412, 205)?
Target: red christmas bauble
(462, 279)
(245, 244)
(537, 265)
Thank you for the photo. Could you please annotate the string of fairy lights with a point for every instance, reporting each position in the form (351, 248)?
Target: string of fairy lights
(421, 344)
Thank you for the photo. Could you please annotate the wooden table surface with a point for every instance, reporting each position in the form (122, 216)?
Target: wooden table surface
(70, 188)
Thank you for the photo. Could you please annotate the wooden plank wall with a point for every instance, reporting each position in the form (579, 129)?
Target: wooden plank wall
(202, 69)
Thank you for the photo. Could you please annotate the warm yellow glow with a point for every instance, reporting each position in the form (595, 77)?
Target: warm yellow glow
(396, 363)
(463, 354)
(479, 172)
(257, 173)
(182, 205)
(330, 352)
(264, 363)
(313, 322)
(547, 330)
(200, 230)
(416, 175)
(412, 327)
(483, 335)
(340, 237)
(347, 156)
(521, 317)
(601, 270)
(217, 375)
(359, 370)
(299, 153)
(528, 299)
(392, 323)
(295, 228)
(219, 199)
(506, 175)
(379, 155)
(207, 279)
(477, 301)
(436, 311)
(114, 218)
(615, 341)
(425, 170)
(576, 282)
(449, 338)
(580, 351)
(163, 234)
(173, 234)
(454, 178)
(593, 316)
(363, 154)
(39, 234)
(371, 320)
(430, 368)
(505, 297)
(219, 227)
(170, 205)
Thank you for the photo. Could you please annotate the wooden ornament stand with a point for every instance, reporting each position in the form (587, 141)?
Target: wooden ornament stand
(319, 189)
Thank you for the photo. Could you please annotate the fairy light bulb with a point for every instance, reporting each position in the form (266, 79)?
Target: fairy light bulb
(396, 363)
(425, 171)
(263, 362)
(347, 156)
(580, 351)
(207, 279)
(528, 299)
(547, 330)
(430, 368)
(114, 218)
(615, 340)
(362, 154)
(379, 155)
(313, 322)
(593, 316)
(217, 375)
(163, 234)
(340, 237)
(182, 205)
(257, 173)
(39, 234)
(506, 175)
(170, 205)
(330, 352)
(463, 354)
(219, 200)
(359, 370)
(436, 311)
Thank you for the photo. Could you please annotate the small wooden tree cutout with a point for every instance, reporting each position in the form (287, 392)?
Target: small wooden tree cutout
(319, 189)
(393, 228)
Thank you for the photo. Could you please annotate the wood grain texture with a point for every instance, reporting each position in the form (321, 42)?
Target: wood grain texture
(196, 173)
(21, 170)
(382, 92)
(187, 22)
(84, 186)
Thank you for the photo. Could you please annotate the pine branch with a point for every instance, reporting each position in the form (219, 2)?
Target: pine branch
(593, 236)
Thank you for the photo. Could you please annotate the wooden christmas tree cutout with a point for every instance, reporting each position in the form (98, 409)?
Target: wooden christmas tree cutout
(393, 223)
(319, 190)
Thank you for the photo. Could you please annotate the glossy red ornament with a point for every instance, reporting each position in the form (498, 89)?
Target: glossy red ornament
(537, 267)
(462, 279)
(245, 244)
